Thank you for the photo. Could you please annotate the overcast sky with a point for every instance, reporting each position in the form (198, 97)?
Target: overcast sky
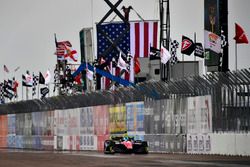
(27, 27)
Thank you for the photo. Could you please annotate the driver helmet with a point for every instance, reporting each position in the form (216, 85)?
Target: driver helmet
(125, 138)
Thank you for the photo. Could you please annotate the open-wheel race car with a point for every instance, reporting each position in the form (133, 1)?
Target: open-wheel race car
(127, 144)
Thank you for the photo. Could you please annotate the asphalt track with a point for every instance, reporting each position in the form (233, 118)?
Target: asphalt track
(20, 158)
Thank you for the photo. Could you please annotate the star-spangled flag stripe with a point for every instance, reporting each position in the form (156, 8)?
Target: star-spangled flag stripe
(146, 39)
(142, 35)
(155, 31)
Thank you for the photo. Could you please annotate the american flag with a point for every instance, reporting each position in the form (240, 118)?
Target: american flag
(136, 41)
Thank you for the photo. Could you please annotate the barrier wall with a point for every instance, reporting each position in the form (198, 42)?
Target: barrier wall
(230, 144)
(169, 125)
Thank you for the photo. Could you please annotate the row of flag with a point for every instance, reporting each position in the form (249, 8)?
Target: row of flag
(8, 88)
(139, 41)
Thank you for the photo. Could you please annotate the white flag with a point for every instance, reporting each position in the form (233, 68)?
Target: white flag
(212, 41)
(165, 55)
(121, 63)
(47, 77)
(29, 80)
(89, 74)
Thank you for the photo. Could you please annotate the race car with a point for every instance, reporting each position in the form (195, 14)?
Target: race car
(119, 144)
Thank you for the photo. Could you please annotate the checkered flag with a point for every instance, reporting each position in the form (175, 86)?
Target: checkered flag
(35, 82)
(223, 39)
(1, 94)
(174, 45)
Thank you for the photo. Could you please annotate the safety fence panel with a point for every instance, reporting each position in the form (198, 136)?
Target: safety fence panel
(87, 139)
(135, 120)
(19, 142)
(20, 124)
(100, 141)
(166, 143)
(154, 120)
(230, 143)
(117, 119)
(166, 116)
(101, 120)
(101, 125)
(12, 124)
(3, 130)
(199, 143)
(199, 115)
(37, 122)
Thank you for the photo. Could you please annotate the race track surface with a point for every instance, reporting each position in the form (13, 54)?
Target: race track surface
(24, 158)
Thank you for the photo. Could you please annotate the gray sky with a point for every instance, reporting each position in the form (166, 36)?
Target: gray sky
(27, 27)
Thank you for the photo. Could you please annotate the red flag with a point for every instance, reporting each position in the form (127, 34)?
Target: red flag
(137, 67)
(5, 69)
(78, 79)
(15, 85)
(240, 36)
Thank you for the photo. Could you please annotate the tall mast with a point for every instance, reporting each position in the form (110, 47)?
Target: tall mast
(165, 35)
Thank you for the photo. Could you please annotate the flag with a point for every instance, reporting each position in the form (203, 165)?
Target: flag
(154, 53)
(199, 51)
(212, 41)
(78, 79)
(14, 87)
(174, 45)
(240, 36)
(89, 74)
(165, 55)
(223, 39)
(35, 80)
(27, 80)
(41, 78)
(44, 91)
(8, 89)
(142, 36)
(137, 41)
(47, 77)
(70, 54)
(121, 63)
(61, 48)
(1, 94)
(137, 67)
(5, 69)
(187, 46)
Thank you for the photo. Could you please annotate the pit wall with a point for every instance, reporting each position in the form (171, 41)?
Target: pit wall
(169, 125)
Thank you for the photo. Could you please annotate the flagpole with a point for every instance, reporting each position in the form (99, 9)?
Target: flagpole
(182, 65)
(235, 56)
(194, 54)
(38, 87)
(27, 91)
(22, 92)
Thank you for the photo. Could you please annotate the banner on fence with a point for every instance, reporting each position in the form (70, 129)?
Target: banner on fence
(101, 120)
(135, 116)
(117, 119)
(86, 121)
